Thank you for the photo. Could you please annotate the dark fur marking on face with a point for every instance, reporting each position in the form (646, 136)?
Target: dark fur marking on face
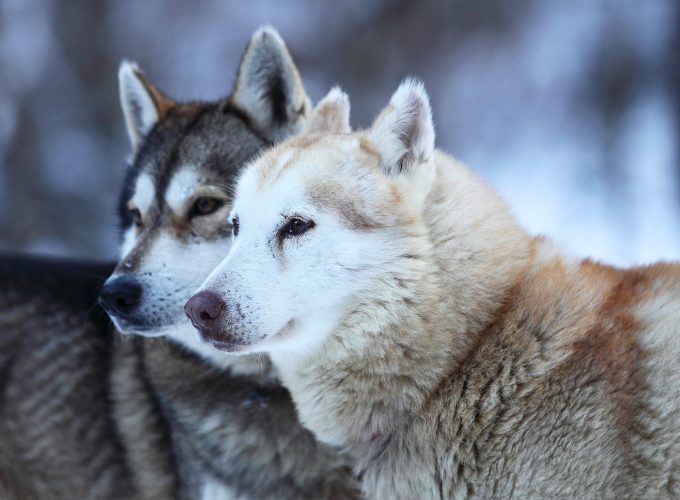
(229, 109)
(124, 215)
(174, 153)
(144, 241)
(324, 195)
(165, 129)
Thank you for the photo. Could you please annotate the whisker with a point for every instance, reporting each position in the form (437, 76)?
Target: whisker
(228, 188)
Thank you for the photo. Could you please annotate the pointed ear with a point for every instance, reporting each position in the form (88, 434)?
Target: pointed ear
(331, 115)
(403, 132)
(268, 87)
(143, 104)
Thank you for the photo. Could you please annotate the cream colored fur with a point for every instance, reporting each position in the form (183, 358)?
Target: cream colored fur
(453, 354)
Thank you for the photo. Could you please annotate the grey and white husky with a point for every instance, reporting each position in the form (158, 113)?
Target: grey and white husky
(187, 424)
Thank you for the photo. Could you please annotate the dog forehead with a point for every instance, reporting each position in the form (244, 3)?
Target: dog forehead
(269, 199)
(300, 153)
(181, 187)
(329, 172)
(144, 193)
(217, 141)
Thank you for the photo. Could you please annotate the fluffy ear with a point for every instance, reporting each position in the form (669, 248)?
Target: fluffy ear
(331, 114)
(143, 104)
(403, 132)
(268, 87)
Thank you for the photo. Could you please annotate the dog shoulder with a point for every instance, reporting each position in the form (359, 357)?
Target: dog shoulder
(578, 349)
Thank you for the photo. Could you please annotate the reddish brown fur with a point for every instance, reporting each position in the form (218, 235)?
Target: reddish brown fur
(325, 195)
(611, 346)
(369, 149)
(163, 104)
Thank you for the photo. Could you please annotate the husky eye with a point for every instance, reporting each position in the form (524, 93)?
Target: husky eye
(234, 226)
(205, 206)
(136, 216)
(295, 227)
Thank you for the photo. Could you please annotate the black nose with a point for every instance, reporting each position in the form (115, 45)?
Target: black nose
(120, 296)
(205, 310)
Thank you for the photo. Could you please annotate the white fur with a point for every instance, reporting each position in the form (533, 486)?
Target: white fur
(216, 490)
(405, 128)
(290, 297)
(182, 188)
(129, 238)
(168, 281)
(185, 334)
(331, 114)
(143, 196)
(138, 107)
(283, 159)
(145, 191)
(164, 263)
(423, 326)
(276, 290)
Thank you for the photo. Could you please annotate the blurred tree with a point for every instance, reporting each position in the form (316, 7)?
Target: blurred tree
(572, 110)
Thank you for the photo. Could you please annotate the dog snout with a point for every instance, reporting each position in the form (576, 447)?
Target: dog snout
(205, 310)
(120, 296)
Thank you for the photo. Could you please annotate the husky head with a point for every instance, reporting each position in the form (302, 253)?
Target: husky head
(320, 223)
(177, 197)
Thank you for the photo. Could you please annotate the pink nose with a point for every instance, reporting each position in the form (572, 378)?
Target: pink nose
(205, 310)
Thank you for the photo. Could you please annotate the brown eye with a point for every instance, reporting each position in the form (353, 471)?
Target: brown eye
(295, 227)
(205, 206)
(136, 216)
(235, 226)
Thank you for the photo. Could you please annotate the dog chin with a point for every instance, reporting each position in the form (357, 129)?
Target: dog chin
(221, 343)
(227, 347)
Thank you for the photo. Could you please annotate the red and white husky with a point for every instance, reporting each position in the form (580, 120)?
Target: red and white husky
(418, 325)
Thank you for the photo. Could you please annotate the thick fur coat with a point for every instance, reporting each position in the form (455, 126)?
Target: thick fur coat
(87, 413)
(420, 327)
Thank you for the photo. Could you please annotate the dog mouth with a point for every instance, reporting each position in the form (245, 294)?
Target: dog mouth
(219, 340)
(223, 341)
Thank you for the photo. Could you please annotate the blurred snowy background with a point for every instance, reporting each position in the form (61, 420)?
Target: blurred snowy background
(570, 109)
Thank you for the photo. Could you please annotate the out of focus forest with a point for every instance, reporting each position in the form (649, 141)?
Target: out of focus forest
(570, 109)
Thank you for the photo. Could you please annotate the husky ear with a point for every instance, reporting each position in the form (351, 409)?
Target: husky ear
(403, 132)
(331, 115)
(268, 87)
(143, 104)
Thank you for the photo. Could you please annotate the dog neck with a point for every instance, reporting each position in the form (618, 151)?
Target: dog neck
(386, 359)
